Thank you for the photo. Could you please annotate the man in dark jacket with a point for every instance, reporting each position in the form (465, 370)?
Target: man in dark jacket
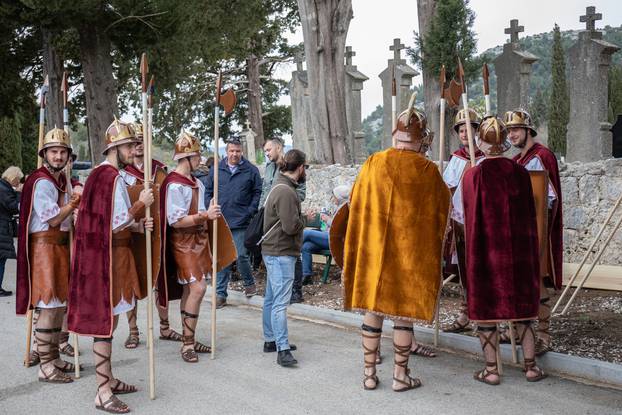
(239, 190)
(9, 206)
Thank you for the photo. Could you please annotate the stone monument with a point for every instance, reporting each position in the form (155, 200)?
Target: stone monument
(354, 86)
(513, 70)
(589, 135)
(302, 131)
(404, 75)
(248, 143)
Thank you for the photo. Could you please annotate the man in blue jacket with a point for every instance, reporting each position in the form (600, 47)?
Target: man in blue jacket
(239, 190)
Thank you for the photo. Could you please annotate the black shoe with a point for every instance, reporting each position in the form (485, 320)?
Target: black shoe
(5, 293)
(296, 298)
(270, 347)
(285, 358)
(307, 280)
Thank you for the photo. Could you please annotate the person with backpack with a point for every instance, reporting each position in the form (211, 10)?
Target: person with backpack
(282, 242)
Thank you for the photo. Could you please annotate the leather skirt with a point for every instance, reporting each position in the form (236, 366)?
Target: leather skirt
(191, 250)
(124, 276)
(49, 266)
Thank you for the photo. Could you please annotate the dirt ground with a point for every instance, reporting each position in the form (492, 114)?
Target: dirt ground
(592, 327)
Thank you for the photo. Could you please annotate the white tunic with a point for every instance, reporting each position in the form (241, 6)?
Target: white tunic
(120, 220)
(536, 165)
(453, 177)
(45, 206)
(129, 179)
(178, 199)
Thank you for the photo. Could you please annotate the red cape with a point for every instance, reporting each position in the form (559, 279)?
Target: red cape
(556, 227)
(168, 287)
(463, 153)
(22, 285)
(139, 174)
(501, 238)
(90, 305)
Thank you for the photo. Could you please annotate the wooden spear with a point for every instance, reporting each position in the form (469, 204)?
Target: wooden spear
(215, 222)
(393, 106)
(64, 89)
(485, 76)
(465, 105)
(42, 93)
(144, 70)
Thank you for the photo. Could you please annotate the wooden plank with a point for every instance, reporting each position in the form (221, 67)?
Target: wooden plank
(604, 277)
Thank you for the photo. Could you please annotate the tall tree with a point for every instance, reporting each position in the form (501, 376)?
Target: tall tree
(445, 33)
(559, 108)
(325, 26)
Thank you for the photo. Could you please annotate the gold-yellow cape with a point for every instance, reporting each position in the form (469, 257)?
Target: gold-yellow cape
(393, 246)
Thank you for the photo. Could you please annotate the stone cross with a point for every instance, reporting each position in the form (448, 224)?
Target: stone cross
(349, 53)
(514, 30)
(299, 59)
(396, 48)
(248, 124)
(590, 18)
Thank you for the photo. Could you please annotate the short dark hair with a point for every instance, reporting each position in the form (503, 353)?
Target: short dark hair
(292, 160)
(275, 140)
(235, 141)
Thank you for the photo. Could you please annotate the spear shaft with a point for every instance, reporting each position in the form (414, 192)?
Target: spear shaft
(467, 115)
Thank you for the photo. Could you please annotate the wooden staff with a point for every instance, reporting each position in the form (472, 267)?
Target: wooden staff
(42, 94)
(144, 70)
(485, 76)
(215, 222)
(64, 89)
(393, 106)
(587, 254)
(465, 105)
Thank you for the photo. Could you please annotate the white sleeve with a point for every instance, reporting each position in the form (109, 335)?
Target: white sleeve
(45, 203)
(201, 206)
(121, 206)
(453, 172)
(178, 198)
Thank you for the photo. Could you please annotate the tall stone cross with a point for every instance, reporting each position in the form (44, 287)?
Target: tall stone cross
(590, 18)
(397, 48)
(299, 58)
(248, 124)
(349, 53)
(514, 30)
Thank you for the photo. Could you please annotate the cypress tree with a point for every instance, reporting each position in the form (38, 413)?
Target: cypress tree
(559, 107)
(10, 143)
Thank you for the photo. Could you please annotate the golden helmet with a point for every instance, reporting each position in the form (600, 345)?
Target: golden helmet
(138, 129)
(519, 119)
(492, 137)
(119, 133)
(56, 137)
(186, 145)
(460, 119)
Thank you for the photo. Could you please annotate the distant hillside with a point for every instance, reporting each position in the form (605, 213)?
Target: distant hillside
(540, 45)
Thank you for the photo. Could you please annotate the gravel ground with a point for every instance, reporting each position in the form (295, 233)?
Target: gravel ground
(592, 327)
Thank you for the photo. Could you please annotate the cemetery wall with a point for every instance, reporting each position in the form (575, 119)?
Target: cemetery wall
(588, 190)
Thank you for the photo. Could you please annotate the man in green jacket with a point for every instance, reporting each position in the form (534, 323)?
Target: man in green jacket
(283, 225)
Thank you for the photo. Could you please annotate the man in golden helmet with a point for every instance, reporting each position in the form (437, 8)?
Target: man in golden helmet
(46, 209)
(399, 203)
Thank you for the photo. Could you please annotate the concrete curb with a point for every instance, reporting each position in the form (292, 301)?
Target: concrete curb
(576, 368)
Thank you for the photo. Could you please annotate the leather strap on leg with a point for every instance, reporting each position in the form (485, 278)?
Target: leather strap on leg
(187, 317)
(105, 360)
(486, 337)
(46, 346)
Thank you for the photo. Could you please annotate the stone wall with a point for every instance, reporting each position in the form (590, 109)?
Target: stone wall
(588, 189)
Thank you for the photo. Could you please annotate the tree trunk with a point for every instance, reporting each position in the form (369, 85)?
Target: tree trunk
(254, 101)
(325, 26)
(53, 68)
(99, 85)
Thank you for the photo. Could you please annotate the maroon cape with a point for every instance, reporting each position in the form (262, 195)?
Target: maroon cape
(23, 286)
(501, 238)
(90, 305)
(75, 182)
(463, 153)
(556, 227)
(139, 174)
(168, 287)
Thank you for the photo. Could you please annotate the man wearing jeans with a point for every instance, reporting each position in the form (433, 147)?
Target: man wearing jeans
(239, 185)
(283, 225)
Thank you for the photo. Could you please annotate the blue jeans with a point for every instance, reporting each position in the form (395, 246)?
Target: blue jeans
(2, 263)
(313, 241)
(278, 293)
(243, 265)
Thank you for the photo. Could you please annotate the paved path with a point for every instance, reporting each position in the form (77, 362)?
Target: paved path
(243, 380)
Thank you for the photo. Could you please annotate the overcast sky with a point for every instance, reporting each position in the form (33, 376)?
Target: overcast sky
(377, 23)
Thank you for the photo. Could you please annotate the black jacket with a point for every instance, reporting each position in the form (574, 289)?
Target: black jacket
(9, 206)
(238, 193)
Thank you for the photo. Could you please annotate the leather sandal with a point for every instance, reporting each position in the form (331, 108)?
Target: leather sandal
(401, 355)
(56, 376)
(457, 327)
(132, 340)
(423, 351)
(484, 374)
(530, 366)
(371, 356)
(122, 388)
(201, 348)
(67, 349)
(189, 356)
(113, 405)
(172, 335)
